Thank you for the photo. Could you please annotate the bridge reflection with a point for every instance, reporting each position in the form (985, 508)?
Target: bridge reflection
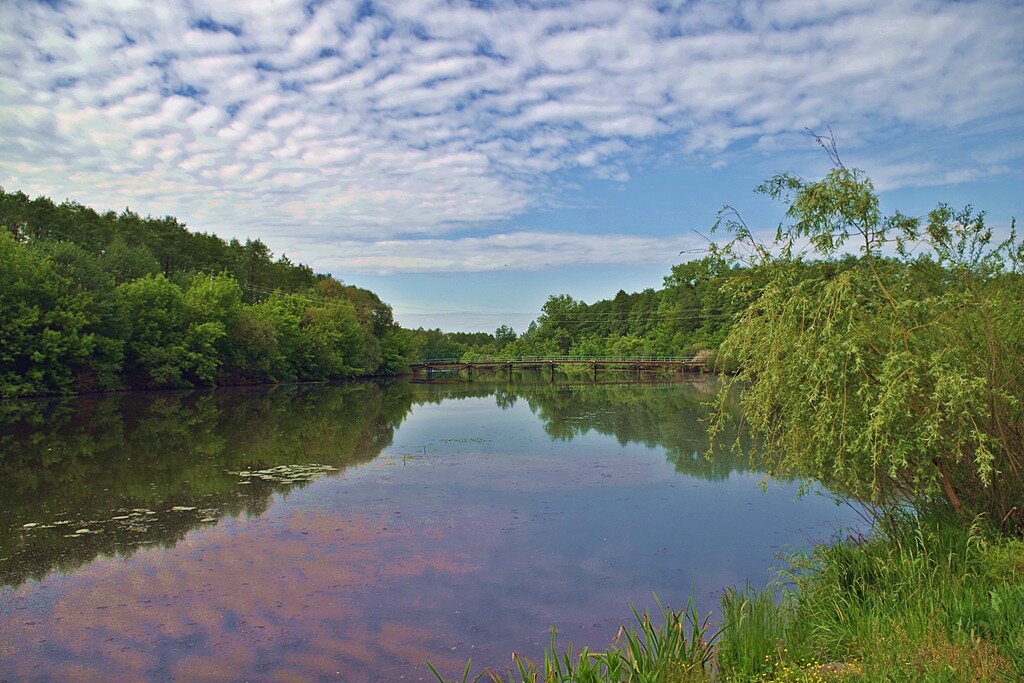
(636, 364)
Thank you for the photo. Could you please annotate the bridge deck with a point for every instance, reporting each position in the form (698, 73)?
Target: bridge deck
(599, 361)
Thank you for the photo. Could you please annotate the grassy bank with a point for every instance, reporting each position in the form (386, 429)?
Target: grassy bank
(922, 600)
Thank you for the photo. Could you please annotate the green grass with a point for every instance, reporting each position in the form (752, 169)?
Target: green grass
(678, 649)
(926, 599)
(922, 600)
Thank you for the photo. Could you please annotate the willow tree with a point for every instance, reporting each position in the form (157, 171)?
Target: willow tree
(882, 354)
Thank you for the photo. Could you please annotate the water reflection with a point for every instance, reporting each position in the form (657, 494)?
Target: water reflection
(118, 465)
(441, 521)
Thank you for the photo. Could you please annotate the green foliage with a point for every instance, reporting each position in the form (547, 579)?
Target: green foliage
(126, 263)
(894, 377)
(96, 301)
(295, 355)
(154, 310)
(396, 349)
(692, 309)
(201, 354)
(253, 352)
(43, 323)
(504, 335)
(214, 298)
(427, 344)
(922, 600)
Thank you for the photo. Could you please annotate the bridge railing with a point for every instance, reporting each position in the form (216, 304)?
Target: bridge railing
(556, 359)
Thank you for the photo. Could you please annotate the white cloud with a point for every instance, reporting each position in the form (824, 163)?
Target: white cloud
(426, 117)
(525, 250)
(892, 175)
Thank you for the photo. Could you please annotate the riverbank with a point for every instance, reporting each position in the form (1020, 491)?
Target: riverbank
(922, 600)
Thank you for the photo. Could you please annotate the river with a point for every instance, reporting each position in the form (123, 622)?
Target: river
(355, 531)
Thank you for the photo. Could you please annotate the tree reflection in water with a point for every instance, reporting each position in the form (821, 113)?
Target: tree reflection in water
(144, 468)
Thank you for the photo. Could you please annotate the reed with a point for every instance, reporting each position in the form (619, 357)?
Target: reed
(679, 649)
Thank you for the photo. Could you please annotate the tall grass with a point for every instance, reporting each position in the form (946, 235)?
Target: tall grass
(678, 650)
(925, 599)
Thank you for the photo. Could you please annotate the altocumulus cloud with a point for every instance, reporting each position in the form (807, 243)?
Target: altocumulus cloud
(525, 250)
(365, 134)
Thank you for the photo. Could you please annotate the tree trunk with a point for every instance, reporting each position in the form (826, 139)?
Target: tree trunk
(951, 496)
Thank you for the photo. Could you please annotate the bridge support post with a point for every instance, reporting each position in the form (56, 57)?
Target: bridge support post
(595, 371)
(469, 369)
(430, 373)
(552, 368)
(509, 366)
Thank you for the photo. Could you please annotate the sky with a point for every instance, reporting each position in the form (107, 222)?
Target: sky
(466, 159)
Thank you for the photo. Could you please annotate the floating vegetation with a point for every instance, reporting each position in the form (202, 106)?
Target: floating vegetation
(139, 520)
(135, 520)
(85, 531)
(285, 474)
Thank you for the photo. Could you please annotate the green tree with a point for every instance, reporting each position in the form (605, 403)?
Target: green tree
(253, 354)
(335, 339)
(864, 374)
(93, 286)
(284, 314)
(106, 266)
(153, 308)
(396, 351)
(503, 336)
(561, 322)
(126, 263)
(43, 337)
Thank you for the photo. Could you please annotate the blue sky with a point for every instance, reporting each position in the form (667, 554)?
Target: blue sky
(466, 159)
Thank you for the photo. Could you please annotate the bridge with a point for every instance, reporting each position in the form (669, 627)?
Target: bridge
(431, 366)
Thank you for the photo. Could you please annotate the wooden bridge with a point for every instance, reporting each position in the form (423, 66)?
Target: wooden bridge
(636, 364)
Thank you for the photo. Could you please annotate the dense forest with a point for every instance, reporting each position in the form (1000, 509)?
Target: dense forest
(97, 301)
(93, 301)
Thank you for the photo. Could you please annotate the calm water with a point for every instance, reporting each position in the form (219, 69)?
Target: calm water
(175, 537)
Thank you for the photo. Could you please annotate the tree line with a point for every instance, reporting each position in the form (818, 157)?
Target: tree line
(690, 315)
(97, 301)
